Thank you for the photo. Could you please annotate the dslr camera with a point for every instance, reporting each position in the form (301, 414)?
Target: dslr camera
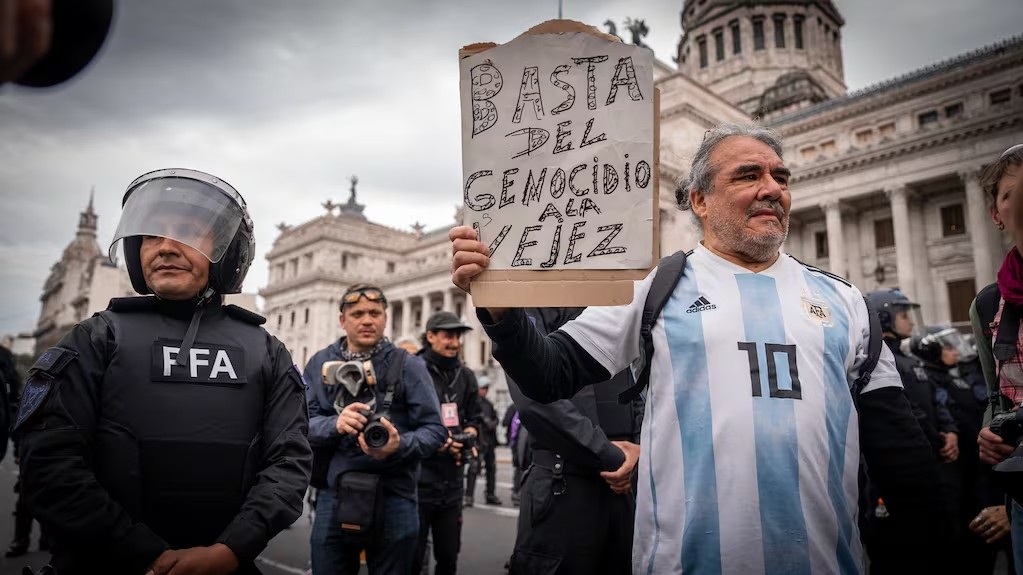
(1009, 473)
(350, 377)
(1009, 426)
(375, 434)
(467, 440)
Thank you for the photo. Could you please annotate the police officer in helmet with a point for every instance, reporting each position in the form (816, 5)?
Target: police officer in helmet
(167, 434)
(886, 532)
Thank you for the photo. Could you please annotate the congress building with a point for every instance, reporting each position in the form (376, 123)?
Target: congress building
(884, 187)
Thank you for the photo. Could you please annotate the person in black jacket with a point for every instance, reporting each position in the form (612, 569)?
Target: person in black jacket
(896, 314)
(486, 447)
(169, 431)
(441, 480)
(940, 350)
(572, 518)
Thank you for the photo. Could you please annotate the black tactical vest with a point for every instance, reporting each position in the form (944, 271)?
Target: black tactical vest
(179, 446)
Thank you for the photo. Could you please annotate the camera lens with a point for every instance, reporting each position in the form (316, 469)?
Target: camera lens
(376, 435)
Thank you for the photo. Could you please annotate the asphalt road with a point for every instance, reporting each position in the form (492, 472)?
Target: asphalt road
(488, 532)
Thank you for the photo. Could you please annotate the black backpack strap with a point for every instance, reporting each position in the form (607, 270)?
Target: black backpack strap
(395, 375)
(669, 271)
(873, 354)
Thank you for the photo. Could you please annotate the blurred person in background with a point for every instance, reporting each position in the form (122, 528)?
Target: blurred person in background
(486, 446)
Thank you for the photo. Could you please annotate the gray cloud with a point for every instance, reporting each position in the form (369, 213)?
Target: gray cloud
(286, 100)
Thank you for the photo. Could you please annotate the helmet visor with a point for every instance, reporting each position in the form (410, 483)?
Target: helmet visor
(908, 319)
(952, 338)
(192, 212)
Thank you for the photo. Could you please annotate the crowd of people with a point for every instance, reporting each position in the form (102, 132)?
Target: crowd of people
(796, 426)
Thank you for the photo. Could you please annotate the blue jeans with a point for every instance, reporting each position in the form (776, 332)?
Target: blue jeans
(389, 551)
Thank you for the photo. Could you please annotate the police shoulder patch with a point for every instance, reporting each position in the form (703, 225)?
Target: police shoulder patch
(42, 375)
(34, 394)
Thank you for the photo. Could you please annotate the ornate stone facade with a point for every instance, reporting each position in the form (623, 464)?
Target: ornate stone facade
(884, 190)
(80, 284)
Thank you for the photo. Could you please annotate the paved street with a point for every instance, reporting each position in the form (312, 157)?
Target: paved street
(487, 535)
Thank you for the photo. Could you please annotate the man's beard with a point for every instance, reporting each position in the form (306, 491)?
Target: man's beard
(738, 238)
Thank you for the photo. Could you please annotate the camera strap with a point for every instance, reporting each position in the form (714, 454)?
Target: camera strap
(1004, 347)
(394, 376)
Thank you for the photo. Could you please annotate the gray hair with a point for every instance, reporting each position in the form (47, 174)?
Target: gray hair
(406, 339)
(701, 173)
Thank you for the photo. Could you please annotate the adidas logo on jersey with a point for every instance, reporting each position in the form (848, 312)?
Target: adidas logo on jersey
(701, 304)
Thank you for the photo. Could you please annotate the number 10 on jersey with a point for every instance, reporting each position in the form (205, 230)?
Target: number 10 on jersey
(772, 350)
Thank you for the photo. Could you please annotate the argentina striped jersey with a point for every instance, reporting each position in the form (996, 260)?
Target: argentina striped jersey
(750, 444)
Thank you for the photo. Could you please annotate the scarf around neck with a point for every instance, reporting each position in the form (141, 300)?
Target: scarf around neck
(442, 362)
(349, 355)
(1010, 277)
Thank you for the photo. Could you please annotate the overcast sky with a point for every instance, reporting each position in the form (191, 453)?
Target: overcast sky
(286, 100)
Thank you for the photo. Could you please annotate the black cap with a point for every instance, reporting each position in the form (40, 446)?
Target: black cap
(445, 320)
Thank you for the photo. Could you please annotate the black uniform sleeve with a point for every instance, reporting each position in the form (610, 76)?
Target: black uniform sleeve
(547, 368)
(560, 427)
(902, 465)
(275, 501)
(473, 405)
(946, 423)
(56, 457)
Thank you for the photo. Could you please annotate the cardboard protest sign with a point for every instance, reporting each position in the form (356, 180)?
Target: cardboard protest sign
(559, 161)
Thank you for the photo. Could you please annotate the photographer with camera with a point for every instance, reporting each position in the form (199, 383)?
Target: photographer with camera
(372, 417)
(441, 483)
(995, 315)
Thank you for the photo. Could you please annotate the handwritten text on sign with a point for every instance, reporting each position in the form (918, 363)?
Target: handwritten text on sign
(557, 152)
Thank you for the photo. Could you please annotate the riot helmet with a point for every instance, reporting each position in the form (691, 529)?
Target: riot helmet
(196, 209)
(927, 347)
(887, 304)
(945, 338)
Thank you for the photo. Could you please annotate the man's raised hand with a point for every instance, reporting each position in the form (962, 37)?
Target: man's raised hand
(469, 256)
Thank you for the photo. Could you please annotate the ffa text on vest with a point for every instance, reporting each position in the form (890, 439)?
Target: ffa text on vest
(205, 363)
(557, 152)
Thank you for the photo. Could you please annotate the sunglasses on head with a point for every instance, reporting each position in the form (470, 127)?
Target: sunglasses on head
(371, 294)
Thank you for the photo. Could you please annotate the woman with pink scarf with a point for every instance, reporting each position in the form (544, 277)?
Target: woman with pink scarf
(1000, 305)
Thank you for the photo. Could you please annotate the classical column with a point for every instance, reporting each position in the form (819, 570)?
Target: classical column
(852, 241)
(977, 224)
(836, 239)
(420, 323)
(924, 294)
(898, 197)
(406, 317)
(448, 306)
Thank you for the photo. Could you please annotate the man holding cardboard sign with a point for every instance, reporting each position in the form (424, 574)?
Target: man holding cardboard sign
(751, 440)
